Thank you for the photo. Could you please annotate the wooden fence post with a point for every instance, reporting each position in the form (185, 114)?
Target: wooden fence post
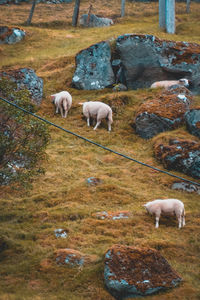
(123, 8)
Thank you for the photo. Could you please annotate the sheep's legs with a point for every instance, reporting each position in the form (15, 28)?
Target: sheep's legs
(98, 123)
(65, 114)
(61, 111)
(179, 221)
(157, 221)
(183, 220)
(88, 122)
(109, 126)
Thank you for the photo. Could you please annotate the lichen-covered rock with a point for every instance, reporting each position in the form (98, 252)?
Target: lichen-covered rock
(10, 35)
(93, 68)
(192, 119)
(118, 215)
(26, 78)
(180, 155)
(133, 272)
(138, 61)
(61, 233)
(163, 113)
(186, 187)
(73, 257)
(146, 59)
(94, 21)
(92, 181)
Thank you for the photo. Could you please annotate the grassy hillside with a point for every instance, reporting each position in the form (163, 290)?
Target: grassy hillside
(61, 198)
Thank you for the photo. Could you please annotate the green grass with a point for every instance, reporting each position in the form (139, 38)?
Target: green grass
(61, 198)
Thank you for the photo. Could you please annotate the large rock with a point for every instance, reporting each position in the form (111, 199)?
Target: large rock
(94, 21)
(26, 79)
(93, 68)
(146, 59)
(135, 272)
(180, 155)
(138, 61)
(10, 35)
(192, 119)
(163, 113)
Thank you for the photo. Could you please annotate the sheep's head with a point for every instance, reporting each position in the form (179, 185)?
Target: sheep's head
(184, 81)
(53, 98)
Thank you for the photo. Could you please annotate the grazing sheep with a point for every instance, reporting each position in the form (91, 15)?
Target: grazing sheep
(168, 83)
(99, 111)
(62, 102)
(167, 206)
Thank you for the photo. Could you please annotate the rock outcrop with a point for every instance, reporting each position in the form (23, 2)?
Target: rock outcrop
(11, 35)
(94, 21)
(165, 112)
(93, 68)
(146, 59)
(26, 78)
(135, 272)
(180, 155)
(192, 119)
(137, 62)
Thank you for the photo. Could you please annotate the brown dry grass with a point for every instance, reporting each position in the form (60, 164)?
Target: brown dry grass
(61, 198)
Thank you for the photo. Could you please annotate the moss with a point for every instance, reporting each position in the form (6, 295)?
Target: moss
(166, 106)
(175, 147)
(135, 265)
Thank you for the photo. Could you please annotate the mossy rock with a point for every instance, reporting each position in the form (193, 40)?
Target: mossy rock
(132, 272)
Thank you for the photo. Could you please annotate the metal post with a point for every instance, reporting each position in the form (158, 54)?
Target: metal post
(170, 16)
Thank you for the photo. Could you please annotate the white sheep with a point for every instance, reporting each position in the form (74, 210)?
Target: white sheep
(62, 102)
(168, 83)
(169, 207)
(97, 110)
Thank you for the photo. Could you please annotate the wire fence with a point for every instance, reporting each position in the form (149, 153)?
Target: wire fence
(98, 145)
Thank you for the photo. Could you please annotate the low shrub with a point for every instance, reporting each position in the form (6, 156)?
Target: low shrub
(23, 139)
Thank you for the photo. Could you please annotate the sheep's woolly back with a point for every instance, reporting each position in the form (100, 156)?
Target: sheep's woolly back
(168, 83)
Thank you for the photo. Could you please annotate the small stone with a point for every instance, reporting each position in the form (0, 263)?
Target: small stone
(186, 187)
(60, 233)
(113, 215)
(93, 181)
(73, 258)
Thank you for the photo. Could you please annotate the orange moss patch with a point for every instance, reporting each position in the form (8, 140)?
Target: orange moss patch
(166, 105)
(198, 125)
(188, 53)
(174, 147)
